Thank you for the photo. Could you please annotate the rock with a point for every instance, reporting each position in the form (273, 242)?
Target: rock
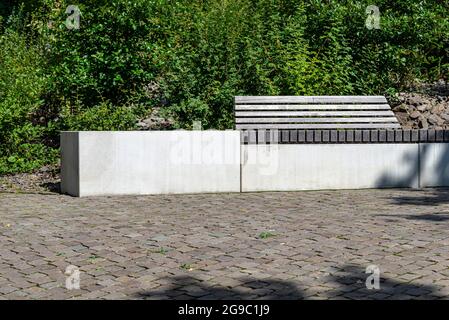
(401, 107)
(422, 107)
(155, 122)
(435, 120)
(415, 115)
(438, 109)
(427, 108)
(142, 125)
(445, 116)
(415, 101)
(423, 124)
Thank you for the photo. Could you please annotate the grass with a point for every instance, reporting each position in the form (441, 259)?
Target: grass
(93, 258)
(161, 250)
(186, 266)
(266, 234)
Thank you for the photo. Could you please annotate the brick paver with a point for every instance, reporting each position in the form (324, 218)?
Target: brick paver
(316, 245)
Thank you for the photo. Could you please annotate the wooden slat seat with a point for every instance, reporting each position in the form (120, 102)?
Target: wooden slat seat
(314, 112)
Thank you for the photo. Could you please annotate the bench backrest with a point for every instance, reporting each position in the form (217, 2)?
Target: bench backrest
(314, 112)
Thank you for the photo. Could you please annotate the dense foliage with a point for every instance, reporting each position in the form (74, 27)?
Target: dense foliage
(190, 57)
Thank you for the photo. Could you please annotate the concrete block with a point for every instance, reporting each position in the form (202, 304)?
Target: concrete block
(261, 136)
(422, 135)
(285, 136)
(431, 136)
(293, 136)
(374, 135)
(70, 163)
(325, 136)
(317, 136)
(334, 136)
(150, 162)
(406, 136)
(434, 164)
(252, 136)
(309, 136)
(349, 136)
(398, 137)
(330, 166)
(301, 136)
(366, 136)
(390, 135)
(382, 136)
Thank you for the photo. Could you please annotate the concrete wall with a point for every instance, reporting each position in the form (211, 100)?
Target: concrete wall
(160, 162)
(328, 166)
(434, 164)
(70, 163)
(152, 162)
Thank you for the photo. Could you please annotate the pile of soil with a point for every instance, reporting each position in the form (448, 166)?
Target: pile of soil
(46, 179)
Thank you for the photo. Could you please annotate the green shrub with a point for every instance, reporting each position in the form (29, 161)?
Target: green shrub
(22, 82)
(191, 57)
(104, 117)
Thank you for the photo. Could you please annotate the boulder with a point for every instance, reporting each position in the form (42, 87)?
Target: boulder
(422, 107)
(415, 101)
(435, 120)
(445, 116)
(423, 124)
(415, 115)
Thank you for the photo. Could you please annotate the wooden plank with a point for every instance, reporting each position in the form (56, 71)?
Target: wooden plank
(244, 107)
(319, 126)
(254, 114)
(315, 120)
(310, 99)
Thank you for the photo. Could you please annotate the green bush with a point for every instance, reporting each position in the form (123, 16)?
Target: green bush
(22, 82)
(104, 117)
(189, 58)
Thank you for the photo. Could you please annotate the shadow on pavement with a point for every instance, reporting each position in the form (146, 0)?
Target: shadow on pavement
(435, 197)
(433, 217)
(346, 282)
(351, 279)
(188, 287)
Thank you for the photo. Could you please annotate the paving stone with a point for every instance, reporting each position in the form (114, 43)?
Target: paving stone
(201, 247)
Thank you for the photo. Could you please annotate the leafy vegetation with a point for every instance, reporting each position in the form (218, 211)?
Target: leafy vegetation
(189, 58)
(266, 235)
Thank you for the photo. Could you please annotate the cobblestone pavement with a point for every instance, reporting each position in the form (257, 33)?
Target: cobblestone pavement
(281, 245)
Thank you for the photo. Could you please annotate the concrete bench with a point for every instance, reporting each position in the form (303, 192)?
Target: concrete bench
(161, 162)
(313, 112)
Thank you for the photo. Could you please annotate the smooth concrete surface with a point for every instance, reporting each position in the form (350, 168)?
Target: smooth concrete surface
(434, 164)
(287, 167)
(161, 162)
(151, 162)
(70, 163)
